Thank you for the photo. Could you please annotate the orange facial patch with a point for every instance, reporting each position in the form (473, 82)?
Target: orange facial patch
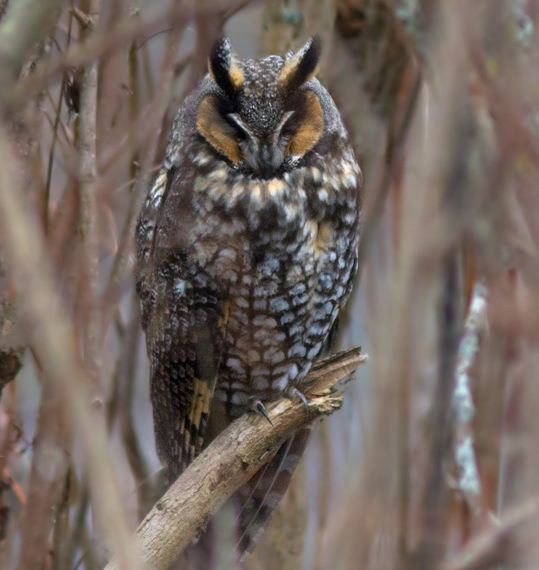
(311, 128)
(219, 134)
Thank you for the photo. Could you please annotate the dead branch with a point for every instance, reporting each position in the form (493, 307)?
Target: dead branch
(22, 28)
(54, 345)
(231, 460)
(87, 205)
(50, 462)
(501, 542)
(21, 31)
(150, 127)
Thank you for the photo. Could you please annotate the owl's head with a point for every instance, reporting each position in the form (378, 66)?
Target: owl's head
(262, 115)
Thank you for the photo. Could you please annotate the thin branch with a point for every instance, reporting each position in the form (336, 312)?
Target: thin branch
(53, 341)
(57, 122)
(89, 266)
(87, 205)
(497, 545)
(83, 53)
(49, 467)
(25, 23)
(232, 459)
(147, 153)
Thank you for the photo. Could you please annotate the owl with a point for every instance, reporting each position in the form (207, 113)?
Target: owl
(246, 250)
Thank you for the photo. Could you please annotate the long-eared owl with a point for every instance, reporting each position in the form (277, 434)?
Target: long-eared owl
(246, 253)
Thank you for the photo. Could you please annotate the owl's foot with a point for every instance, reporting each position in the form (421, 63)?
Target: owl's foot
(258, 407)
(295, 392)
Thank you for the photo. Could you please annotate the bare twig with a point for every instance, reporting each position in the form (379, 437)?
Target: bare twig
(57, 122)
(87, 205)
(499, 543)
(23, 26)
(231, 460)
(147, 155)
(26, 22)
(53, 341)
(89, 266)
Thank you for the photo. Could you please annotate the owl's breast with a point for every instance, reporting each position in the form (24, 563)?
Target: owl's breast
(282, 253)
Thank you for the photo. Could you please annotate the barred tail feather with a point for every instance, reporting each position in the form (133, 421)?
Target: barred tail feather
(259, 497)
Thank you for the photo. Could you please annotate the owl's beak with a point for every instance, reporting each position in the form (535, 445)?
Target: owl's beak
(270, 158)
(264, 156)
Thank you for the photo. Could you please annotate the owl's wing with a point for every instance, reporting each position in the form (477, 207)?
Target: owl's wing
(184, 348)
(183, 325)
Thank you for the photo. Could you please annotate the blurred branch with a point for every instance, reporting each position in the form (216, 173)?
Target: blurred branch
(25, 23)
(86, 231)
(23, 27)
(54, 344)
(384, 183)
(232, 459)
(83, 53)
(50, 460)
(496, 546)
(150, 127)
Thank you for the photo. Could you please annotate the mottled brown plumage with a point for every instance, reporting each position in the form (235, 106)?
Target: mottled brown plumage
(246, 252)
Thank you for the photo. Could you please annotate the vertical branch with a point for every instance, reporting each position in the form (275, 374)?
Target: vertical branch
(151, 128)
(56, 349)
(435, 499)
(23, 28)
(89, 264)
(87, 146)
(49, 467)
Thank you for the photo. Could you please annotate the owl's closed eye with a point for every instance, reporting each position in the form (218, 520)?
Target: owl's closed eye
(262, 119)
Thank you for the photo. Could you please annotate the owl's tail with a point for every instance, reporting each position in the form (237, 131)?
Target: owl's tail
(259, 497)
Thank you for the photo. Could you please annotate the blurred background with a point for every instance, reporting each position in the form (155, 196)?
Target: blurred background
(432, 461)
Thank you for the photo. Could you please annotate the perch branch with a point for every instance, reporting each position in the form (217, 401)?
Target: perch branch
(232, 459)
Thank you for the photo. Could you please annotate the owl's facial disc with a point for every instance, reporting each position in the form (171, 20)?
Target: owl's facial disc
(264, 154)
(249, 140)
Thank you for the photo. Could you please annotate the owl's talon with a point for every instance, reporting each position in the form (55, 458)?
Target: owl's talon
(258, 406)
(296, 392)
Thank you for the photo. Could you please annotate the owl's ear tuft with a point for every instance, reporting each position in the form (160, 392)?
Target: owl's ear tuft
(224, 67)
(303, 65)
